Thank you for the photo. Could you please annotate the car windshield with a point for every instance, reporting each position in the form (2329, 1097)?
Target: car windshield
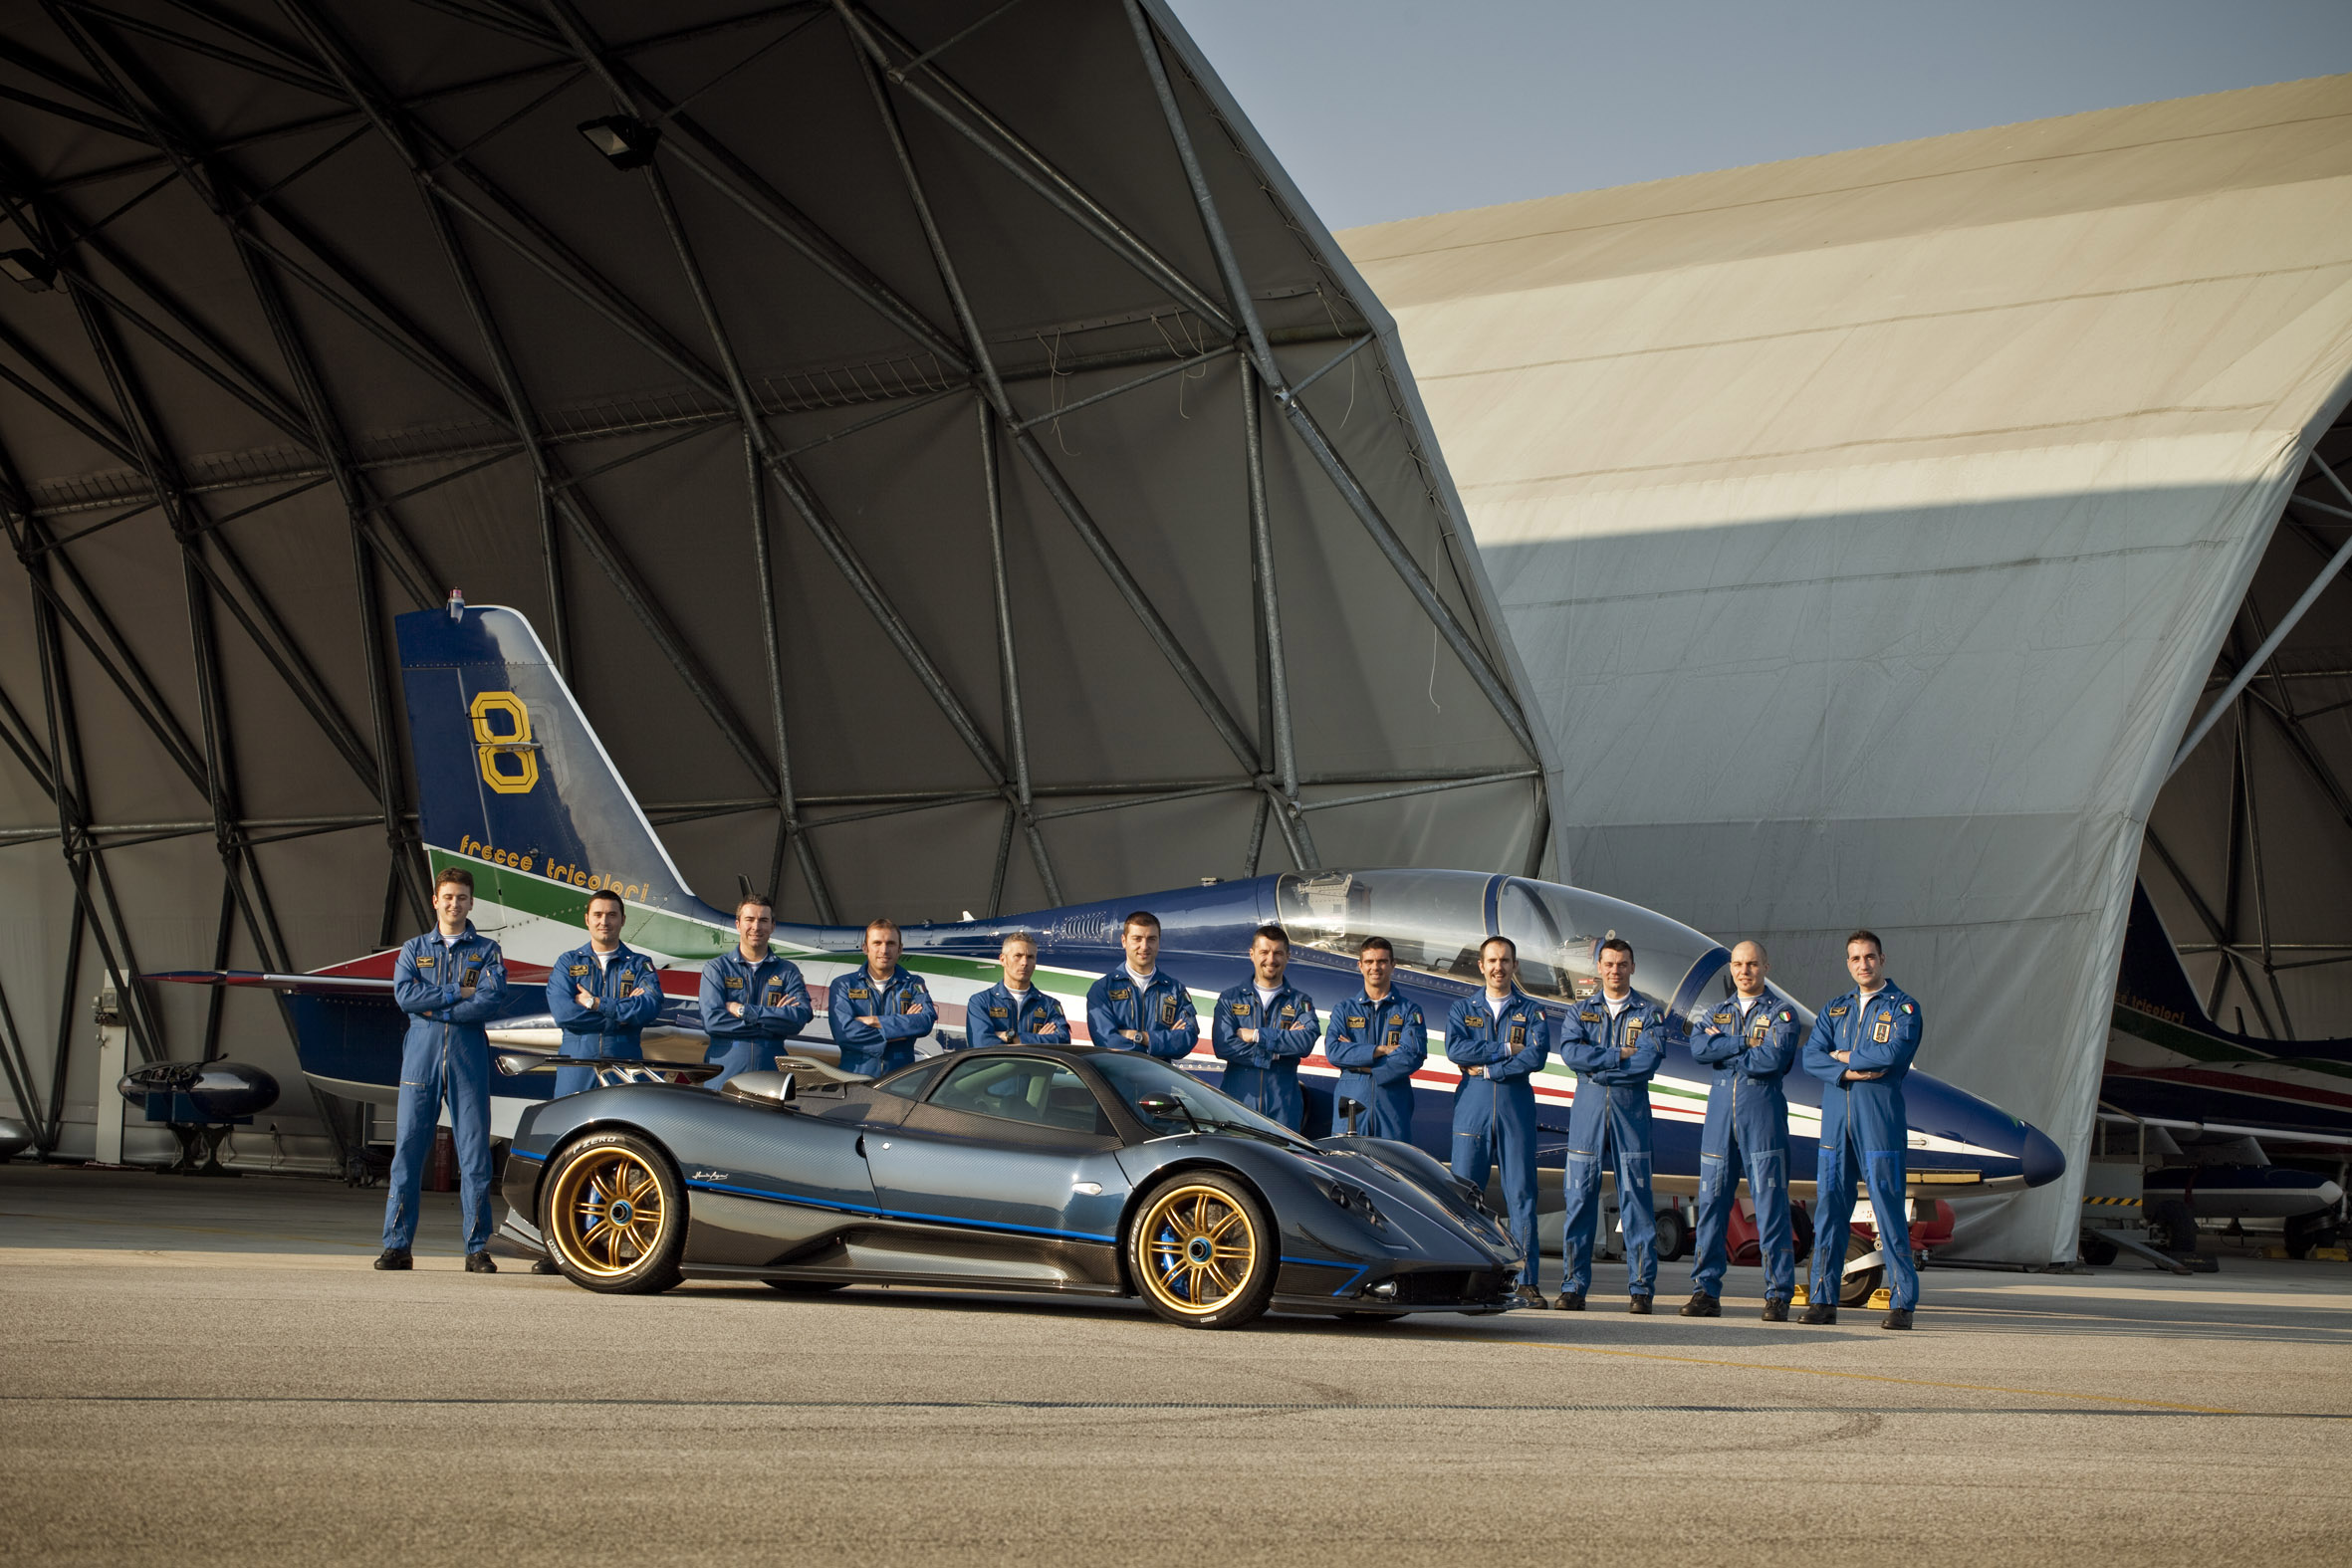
(1438, 919)
(1135, 1078)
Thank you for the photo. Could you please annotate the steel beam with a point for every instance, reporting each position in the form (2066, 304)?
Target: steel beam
(1311, 434)
(963, 114)
(1162, 635)
(2261, 655)
(1023, 805)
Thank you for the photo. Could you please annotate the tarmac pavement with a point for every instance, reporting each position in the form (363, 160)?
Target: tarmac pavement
(208, 1371)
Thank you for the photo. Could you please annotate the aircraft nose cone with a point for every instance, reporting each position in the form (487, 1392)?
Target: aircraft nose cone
(2042, 1159)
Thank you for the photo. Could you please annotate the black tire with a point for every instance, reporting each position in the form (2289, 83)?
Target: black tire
(2095, 1250)
(1674, 1236)
(2172, 1227)
(593, 1213)
(1202, 1251)
(1855, 1291)
(1800, 1234)
(2306, 1231)
(805, 1288)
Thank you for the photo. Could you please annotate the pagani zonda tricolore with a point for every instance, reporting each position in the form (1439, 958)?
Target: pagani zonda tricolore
(1065, 1168)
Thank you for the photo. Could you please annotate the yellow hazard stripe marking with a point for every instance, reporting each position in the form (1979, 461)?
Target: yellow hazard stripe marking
(2129, 1203)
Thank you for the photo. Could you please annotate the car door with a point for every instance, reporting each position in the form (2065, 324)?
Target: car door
(1015, 1152)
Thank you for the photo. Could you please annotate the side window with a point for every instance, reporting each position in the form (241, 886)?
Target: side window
(1023, 1089)
(911, 1083)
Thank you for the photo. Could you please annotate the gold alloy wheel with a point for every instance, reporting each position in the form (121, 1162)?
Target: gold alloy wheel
(608, 1214)
(1199, 1246)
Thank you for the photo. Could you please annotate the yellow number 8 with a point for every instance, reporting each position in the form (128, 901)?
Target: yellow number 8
(510, 762)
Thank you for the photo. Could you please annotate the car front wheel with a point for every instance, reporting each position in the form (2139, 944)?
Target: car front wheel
(1203, 1251)
(615, 1216)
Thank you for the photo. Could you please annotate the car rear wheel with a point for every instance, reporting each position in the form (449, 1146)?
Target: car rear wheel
(615, 1216)
(1203, 1251)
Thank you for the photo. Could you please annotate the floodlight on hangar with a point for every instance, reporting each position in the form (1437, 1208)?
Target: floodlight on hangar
(627, 141)
(958, 472)
(29, 269)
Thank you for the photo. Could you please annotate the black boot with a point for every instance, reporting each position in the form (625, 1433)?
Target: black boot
(1819, 1313)
(395, 1257)
(1639, 1307)
(1568, 1301)
(480, 1263)
(1776, 1310)
(1898, 1318)
(1529, 1297)
(545, 1266)
(1702, 1304)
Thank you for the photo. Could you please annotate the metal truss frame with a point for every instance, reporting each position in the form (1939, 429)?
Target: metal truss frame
(114, 87)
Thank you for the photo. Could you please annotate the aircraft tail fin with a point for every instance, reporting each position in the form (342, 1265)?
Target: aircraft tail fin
(2151, 978)
(510, 772)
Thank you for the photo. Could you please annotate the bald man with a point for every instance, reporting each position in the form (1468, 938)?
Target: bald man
(1749, 1041)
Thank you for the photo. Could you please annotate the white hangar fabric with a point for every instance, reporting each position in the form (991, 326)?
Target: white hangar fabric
(1868, 525)
(950, 462)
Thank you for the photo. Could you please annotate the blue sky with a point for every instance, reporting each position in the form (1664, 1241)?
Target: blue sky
(1391, 108)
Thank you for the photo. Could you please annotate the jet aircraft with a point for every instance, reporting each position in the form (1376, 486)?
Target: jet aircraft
(514, 786)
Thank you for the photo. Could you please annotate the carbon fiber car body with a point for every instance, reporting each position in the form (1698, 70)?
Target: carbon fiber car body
(863, 1182)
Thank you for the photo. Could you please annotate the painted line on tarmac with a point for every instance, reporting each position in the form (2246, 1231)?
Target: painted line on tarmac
(1202, 1406)
(197, 1229)
(1866, 1377)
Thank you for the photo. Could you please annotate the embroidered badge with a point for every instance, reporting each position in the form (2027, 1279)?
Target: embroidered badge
(1519, 1035)
(734, 983)
(1587, 1017)
(1885, 1030)
(1357, 1023)
(996, 1013)
(1723, 1017)
(1837, 1013)
(425, 960)
(1168, 1012)
(579, 969)
(855, 994)
(1116, 996)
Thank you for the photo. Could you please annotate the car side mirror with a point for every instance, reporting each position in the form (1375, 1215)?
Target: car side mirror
(1161, 1105)
(1349, 1109)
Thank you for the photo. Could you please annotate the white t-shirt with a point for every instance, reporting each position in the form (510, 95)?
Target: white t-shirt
(1020, 998)
(1495, 1006)
(1619, 1006)
(1863, 998)
(1266, 995)
(604, 959)
(1142, 982)
(1746, 1004)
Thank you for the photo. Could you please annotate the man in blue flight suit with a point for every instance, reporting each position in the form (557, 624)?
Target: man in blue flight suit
(1016, 1011)
(1499, 1040)
(1861, 1049)
(603, 996)
(1135, 1006)
(1751, 1041)
(1378, 1042)
(1263, 1027)
(448, 981)
(1615, 1041)
(752, 1001)
(880, 1011)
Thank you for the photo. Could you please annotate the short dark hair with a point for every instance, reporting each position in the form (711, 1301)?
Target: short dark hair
(1869, 936)
(1382, 943)
(1615, 945)
(605, 892)
(885, 923)
(1139, 916)
(1271, 934)
(1011, 936)
(458, 874)
(761, 899)
(1506, 941)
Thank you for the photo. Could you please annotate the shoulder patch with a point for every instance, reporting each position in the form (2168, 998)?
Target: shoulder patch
(1837, 1013)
